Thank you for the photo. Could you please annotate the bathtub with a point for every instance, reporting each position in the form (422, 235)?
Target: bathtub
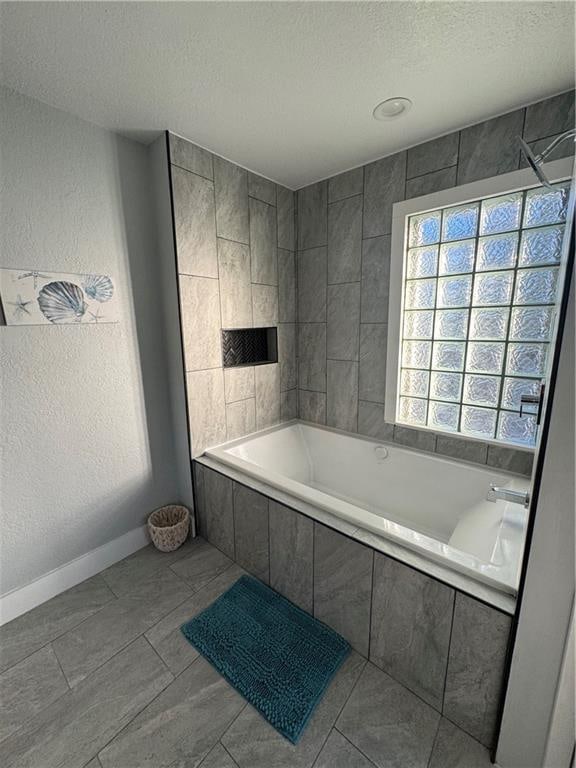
(422, 503)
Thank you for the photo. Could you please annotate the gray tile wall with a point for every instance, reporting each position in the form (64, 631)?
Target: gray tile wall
(344, 227)
(441, 644)
(235, 242)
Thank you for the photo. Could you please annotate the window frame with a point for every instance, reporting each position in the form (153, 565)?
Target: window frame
(556, 171)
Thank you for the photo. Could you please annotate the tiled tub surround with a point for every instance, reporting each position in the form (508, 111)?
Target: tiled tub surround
(443, 645)
(344, 228)
(444, 522)
(234, 234)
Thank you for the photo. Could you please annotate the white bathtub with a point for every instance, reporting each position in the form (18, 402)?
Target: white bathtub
(428, 504)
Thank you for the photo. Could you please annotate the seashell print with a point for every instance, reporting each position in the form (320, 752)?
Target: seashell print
(62, 302)
(98, 287)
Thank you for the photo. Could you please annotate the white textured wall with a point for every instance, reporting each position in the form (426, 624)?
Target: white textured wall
(85, 420)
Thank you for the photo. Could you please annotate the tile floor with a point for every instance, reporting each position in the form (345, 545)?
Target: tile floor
(100, 677)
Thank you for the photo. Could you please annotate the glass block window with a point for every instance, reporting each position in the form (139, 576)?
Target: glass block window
(480, 284)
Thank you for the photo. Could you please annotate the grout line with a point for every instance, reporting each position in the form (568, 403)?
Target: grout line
(222, 745)
(448, 657)
(334, 728)
(371, 605)
(434, 742)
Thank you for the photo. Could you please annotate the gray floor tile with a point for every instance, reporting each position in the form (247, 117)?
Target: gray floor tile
(165, 636)
(96, 640)
(187, 155)
(218, 758)
(231, 189)
(455, 749)
(70, 732)
(134, 576)
(24, 635)
(180, 726)
(94, 763)
(251, 531)
(410, 632)
(291, 552)
(194, 224)
(29, 687)
(203, 564)
(390, 725)
(345, 240)
(475, 667)
(338, 752)
(263, 243)
(254, 743)
(313, 215)
(343, 585)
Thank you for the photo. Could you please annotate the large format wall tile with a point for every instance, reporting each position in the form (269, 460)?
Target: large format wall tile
(432, 155)
(239, 383)
(313, 215)
(384, 183)
(343, 321)
(312, 286)
(390, 725)
(200, 304)
(343, 585)
(267, 395)
(231, 187)
(251, 531)
(415, 438)
(206, 409)
(191, 157)
(261, 188)
(475, 667)
(510, 459)
(490, 148)
(194, 223)
(291, 554)
(287, 355)
(549, 117)
(371, 421)
(375, 279)
(372, 375)
(312, 406)
(345, 240)
(264, 305)
(458, 448)
(286, 286)
(217, 512)
(312, 356)
(342, 395)
(285, 217)
(431, 182)
(263, 243)
(235, 285)
(346, 184)
(410, 632)
(289, 405)
(240, 418)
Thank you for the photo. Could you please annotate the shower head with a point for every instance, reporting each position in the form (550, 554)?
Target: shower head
(536, 162)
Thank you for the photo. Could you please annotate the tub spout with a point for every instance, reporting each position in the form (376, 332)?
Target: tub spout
(507, 494)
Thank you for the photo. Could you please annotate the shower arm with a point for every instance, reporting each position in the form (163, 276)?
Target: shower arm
(571, 134)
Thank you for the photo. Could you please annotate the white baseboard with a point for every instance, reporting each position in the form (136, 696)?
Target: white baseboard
(23, 599)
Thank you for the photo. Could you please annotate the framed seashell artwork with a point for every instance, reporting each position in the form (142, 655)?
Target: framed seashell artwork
(36, 297)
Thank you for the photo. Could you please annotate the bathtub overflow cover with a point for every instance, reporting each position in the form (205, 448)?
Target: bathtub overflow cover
(381, 453)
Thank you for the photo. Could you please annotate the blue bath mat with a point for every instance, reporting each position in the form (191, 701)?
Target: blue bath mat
(277, 656)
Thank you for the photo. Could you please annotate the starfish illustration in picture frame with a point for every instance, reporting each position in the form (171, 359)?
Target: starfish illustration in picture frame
(20, 306)
(34, 273)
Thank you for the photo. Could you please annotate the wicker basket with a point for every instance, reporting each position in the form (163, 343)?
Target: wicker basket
(168, 527)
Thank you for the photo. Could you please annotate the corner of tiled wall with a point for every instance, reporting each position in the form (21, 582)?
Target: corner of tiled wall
(235, 234)
(343, 261)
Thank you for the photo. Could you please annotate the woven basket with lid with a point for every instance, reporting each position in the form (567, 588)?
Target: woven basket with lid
(168, 527)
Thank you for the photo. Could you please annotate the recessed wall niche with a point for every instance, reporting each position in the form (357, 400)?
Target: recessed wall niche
(249, 346)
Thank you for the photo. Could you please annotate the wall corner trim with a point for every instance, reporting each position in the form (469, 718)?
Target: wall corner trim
(23, 599)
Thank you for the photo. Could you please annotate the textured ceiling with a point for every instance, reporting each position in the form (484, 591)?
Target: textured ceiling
(285, 88)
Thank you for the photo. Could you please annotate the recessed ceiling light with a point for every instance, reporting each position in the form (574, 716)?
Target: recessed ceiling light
(392, 108)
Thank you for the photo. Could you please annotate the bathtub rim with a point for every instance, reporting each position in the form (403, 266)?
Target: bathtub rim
(494, 596)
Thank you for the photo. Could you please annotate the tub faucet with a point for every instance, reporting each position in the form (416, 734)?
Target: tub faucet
(507, 494)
